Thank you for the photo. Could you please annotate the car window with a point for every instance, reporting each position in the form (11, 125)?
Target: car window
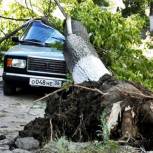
(40, 32)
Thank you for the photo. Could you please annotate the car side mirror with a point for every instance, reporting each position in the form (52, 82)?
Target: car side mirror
(15, 39)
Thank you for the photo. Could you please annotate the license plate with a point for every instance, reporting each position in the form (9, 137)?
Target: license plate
(45, 82)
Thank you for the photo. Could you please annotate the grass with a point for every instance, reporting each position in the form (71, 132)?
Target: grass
(62, 145)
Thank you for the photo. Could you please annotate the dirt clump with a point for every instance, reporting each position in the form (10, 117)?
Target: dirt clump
(38, 128)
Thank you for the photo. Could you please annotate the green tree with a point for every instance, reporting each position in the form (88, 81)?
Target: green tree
(114, 38)
(134, 7)
(6, 26)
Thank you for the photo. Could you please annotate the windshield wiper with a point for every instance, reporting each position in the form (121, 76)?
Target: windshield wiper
(33, 41)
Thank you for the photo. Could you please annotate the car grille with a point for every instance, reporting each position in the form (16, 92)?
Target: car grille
(49, 66)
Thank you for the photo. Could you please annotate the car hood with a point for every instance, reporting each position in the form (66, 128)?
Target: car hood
(35, 51)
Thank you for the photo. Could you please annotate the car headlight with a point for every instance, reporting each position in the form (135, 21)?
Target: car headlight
(17, 63)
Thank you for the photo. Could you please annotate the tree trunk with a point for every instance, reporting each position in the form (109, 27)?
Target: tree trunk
(81, 57)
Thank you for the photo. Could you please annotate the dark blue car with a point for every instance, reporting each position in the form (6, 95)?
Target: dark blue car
(37, 60)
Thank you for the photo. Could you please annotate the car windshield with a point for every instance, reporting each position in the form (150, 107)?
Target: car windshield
(39, 32)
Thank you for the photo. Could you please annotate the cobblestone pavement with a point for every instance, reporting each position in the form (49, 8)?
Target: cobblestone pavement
(18, 110)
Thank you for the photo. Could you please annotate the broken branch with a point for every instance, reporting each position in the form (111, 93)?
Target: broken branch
(50, 94)
(61, 8)
(78, 86)
(8, 18)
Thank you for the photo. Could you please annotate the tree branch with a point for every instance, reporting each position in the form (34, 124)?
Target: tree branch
(31, 5)
(31, 13)
(74, 85)
(3, 32)
(13, 32)
(49, 8)
(8, 18)
(61, 8)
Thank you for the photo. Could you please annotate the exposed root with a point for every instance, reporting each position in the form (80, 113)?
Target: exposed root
(76, 112)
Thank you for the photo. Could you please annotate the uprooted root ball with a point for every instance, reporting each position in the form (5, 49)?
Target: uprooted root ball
(76, 112)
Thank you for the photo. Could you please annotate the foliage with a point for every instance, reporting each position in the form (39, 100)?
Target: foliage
(57, 23)
(109, 31)
(134, 7)
(133, 66)
(17, 11)
(109, 147)
(69, 82)
(105, 130)
(72, 2)
(6, 26)
(101, 2)
(47, 7)
(114, 37)
(62, 145)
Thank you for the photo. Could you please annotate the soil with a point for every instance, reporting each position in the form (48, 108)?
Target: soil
(39, 129)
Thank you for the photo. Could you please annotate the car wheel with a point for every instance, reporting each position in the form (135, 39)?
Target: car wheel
(8, 89)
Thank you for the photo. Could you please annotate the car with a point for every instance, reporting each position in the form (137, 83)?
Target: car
(37, 60)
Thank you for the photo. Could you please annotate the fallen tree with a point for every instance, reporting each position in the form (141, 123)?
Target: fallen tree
(98, 106)
(77, 113)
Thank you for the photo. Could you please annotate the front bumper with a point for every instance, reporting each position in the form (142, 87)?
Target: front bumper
(22, 80)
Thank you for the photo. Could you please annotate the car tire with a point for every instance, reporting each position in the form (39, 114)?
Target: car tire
(8, 89)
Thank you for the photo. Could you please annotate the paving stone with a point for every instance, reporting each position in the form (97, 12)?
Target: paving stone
(5, 142)
(20, 151)
(5, 151)
(4, 147)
